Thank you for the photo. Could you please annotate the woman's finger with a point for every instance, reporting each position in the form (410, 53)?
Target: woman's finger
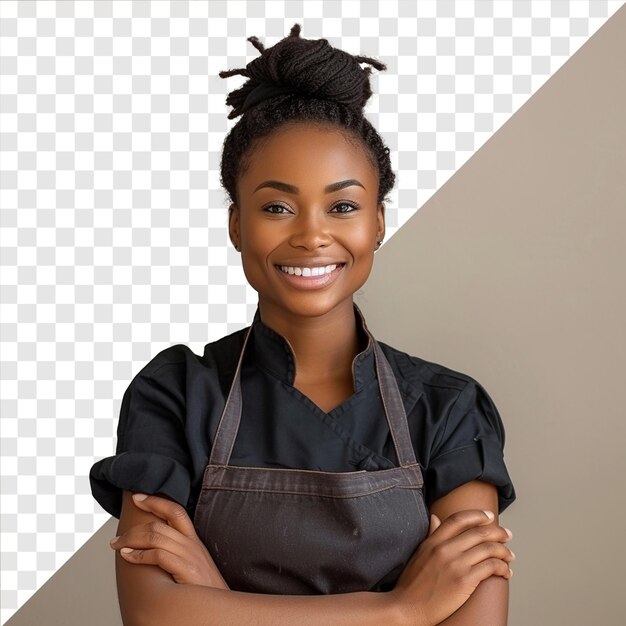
(490, 567)
(461, 521)
(167, 561)
(172, 512)
(151, 535)
(478, 535)
(486, 551)
(435, 522)
(156, 543)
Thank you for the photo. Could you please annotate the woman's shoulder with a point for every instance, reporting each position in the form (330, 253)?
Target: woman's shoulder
(181, 358)
(448, 392)
(421, 372)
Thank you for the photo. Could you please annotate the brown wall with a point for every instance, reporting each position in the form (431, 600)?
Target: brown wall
(514, 273)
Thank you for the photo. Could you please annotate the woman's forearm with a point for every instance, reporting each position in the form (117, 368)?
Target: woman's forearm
(487, 606)
(194, 605)
(154, 592)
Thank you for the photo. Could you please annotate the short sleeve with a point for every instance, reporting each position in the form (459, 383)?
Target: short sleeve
(470, 447)
(152, 452)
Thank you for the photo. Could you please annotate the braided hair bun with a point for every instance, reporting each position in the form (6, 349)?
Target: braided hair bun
(304, 80)
(306, 67)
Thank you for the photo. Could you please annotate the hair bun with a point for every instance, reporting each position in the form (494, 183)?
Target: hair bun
(309, 68)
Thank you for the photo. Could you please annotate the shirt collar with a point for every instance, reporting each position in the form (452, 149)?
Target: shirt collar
(273, 353)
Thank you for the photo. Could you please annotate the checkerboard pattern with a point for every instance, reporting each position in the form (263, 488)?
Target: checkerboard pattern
(113, 241)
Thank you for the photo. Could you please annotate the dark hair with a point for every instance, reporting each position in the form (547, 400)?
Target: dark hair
(301, 80)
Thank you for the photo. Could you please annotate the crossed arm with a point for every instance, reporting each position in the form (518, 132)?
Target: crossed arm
(458, 576)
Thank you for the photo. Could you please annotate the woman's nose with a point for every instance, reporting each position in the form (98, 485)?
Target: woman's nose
(310, 232)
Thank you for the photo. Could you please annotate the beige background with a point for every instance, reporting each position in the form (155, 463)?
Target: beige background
(514, 273)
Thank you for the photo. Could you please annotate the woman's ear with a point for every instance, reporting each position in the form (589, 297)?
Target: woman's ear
(233, 225)
(380, 232)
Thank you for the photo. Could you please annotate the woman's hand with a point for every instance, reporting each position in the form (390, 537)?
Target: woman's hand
(173, 544)
(450, 563)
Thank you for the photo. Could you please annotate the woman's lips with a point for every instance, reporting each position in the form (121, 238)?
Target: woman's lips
(311, 282)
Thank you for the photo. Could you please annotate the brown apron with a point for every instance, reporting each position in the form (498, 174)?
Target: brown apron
(297, 531)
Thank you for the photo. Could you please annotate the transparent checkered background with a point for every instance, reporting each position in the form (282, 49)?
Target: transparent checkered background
(113, 241)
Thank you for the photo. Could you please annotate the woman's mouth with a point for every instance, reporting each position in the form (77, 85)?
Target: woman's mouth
(310, 277)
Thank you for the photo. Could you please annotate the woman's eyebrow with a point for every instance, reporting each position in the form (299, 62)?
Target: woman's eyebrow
(287, 188)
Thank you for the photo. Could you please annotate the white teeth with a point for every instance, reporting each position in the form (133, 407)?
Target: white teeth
(308, 271)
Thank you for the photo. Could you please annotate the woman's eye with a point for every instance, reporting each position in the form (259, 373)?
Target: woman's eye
(344, 207)
(276, 209)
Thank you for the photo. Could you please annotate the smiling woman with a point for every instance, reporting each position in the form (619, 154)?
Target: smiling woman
(287, 474)
(316, 216)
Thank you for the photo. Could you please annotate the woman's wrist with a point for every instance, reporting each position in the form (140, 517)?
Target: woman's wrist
(402, 612)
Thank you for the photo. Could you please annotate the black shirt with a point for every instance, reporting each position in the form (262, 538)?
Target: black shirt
(171, 408)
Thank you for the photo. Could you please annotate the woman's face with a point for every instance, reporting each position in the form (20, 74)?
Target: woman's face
(307, 205)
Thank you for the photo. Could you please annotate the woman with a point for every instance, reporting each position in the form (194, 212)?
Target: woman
(296, 446)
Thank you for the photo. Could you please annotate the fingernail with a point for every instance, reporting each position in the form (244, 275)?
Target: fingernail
(113, 540)
(138, 497)
(509, 533)
(510, 572)
(489, 514)
(126, 550)
(513, 554)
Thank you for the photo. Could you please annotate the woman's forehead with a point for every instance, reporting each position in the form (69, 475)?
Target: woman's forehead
(309, 150)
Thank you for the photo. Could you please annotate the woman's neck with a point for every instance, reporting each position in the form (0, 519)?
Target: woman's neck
(323, 346)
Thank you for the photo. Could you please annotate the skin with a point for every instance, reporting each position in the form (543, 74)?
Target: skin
(459, 574)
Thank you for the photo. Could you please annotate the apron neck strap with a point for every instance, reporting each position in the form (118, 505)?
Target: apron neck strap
(231, 416)
(394, 408)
